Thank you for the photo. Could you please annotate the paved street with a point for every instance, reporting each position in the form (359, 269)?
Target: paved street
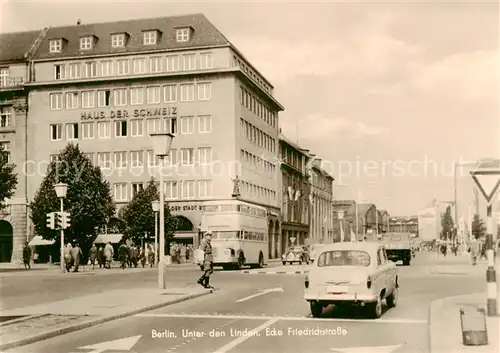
(211, 323)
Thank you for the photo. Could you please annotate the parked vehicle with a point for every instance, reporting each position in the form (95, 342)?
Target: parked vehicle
(314, 250)
(296, 254)
(398, 246)
(352, 274)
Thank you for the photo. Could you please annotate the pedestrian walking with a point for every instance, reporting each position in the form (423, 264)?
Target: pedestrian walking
(76, 254)
(101, 259)
(474, 248)
(123, 252)
(142, 257)
(208, 260)
(67, 257)
(27, 256)
(108, 255)
(93, 255)
(151, 256)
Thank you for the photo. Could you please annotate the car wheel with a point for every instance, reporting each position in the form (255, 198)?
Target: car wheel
(376, 309)
(316, 309)
(300, 262)
(284, 263)
(392, 300)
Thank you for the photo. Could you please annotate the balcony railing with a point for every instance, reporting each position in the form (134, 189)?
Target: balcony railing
(11, 81)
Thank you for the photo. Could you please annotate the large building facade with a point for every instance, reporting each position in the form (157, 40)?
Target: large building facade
(322, 204)
(108, 86)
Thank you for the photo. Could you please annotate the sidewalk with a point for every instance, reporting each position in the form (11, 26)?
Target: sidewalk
(445, 327)
(40, 322)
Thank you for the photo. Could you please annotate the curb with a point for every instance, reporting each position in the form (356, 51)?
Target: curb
(275, 272)
(50, 334)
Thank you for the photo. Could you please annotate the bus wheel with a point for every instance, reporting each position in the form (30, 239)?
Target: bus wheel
(261, 260)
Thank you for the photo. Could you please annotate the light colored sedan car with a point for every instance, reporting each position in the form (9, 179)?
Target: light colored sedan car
(314, 250)
(352, 273)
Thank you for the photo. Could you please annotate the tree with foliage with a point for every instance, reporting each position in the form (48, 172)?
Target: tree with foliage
(478, 227)
(88, 199)
(139, 219)
(8, 178)
(447, 225)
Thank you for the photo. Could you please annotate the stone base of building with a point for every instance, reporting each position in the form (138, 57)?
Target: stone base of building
(15, 216)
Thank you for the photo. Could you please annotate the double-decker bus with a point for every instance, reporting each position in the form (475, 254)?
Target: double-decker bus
(239, 233)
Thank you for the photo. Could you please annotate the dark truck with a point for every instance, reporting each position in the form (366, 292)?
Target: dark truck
(398, 246)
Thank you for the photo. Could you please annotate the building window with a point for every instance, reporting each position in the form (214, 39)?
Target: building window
(204, 155)
(136, 188)
(136, 127)
(204, 91)
(88, 130)
(182, 35)
(4, 77)
(204, 124)
(136, 158)
(153, 95)
(72, 100)
(154, 125)
(204, 188)
(56, 101)
(104, 160)
(74, 70)
(104, 129)
(187, 124)
(122, 67)
(171, 190)
(189, 61)
(120, 191)
(187, 155)
(90, 69)
(86, 43)
(120, 128)
(56, 132)
(118, 40)
(152, 159)
(139, 66)
(120, 159)
(172, 63)
(55, 45)
(88, 99)
(59, 73)
(206, 61)
(5, 147)
(107, 68)
(5, 117)
(72, 131)
(120, 96)
(173, 125)
(187, 93)
(136, 95)
(188, 191)
(155, 64)
(172, 157)
(149, 37)
(170, 93)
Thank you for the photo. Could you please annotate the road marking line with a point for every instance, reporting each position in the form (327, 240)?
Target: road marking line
(285, 318)
(242, 339)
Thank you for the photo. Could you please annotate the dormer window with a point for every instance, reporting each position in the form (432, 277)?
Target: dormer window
(183, 34)
(86, 43)
(55, 45)
(118, 40)
(150, 37)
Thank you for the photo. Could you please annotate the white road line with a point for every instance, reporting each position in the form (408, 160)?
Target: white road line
(285, 318)
(242, 339)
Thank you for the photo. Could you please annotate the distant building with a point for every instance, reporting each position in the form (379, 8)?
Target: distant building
(321, 198)
(404, 224)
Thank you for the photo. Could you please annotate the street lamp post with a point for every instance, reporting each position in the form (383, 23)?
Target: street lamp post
(61, 191)
(162, 142)
(156, 208)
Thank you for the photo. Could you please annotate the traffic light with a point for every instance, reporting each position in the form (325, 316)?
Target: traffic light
(51, 220)
(59, 220)
(66, 221)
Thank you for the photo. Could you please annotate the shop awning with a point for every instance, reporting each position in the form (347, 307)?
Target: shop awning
(108, 238)
(39, 241)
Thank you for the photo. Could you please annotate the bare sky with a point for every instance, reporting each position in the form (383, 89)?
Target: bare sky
(389, 94)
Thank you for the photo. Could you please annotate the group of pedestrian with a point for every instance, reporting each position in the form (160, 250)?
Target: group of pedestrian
(72, 256)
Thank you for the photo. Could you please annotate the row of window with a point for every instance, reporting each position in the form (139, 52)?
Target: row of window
(121, 97)
(174, 190)
(293, 157)
(137, 66)
(256, 106)
(133, 128)
(120, 40)
(136, 159)
(257, 163)
(257, 193)
(241, 64)
(6, 117)
(5, 147)
(257, 136)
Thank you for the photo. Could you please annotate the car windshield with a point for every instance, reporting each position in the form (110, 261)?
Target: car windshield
(344, 258)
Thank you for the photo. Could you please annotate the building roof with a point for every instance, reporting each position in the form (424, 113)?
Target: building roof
(289, 142)
(363, 208)
(15, 46)
(322, 172)
(204, 34)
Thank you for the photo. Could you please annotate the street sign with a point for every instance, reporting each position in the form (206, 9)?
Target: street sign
(487, 181)
(122, 344)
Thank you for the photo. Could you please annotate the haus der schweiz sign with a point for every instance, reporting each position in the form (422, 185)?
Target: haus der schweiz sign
(165, 112)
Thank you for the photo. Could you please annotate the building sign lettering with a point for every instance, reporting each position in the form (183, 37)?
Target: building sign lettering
(165, 112)
(178, 208)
